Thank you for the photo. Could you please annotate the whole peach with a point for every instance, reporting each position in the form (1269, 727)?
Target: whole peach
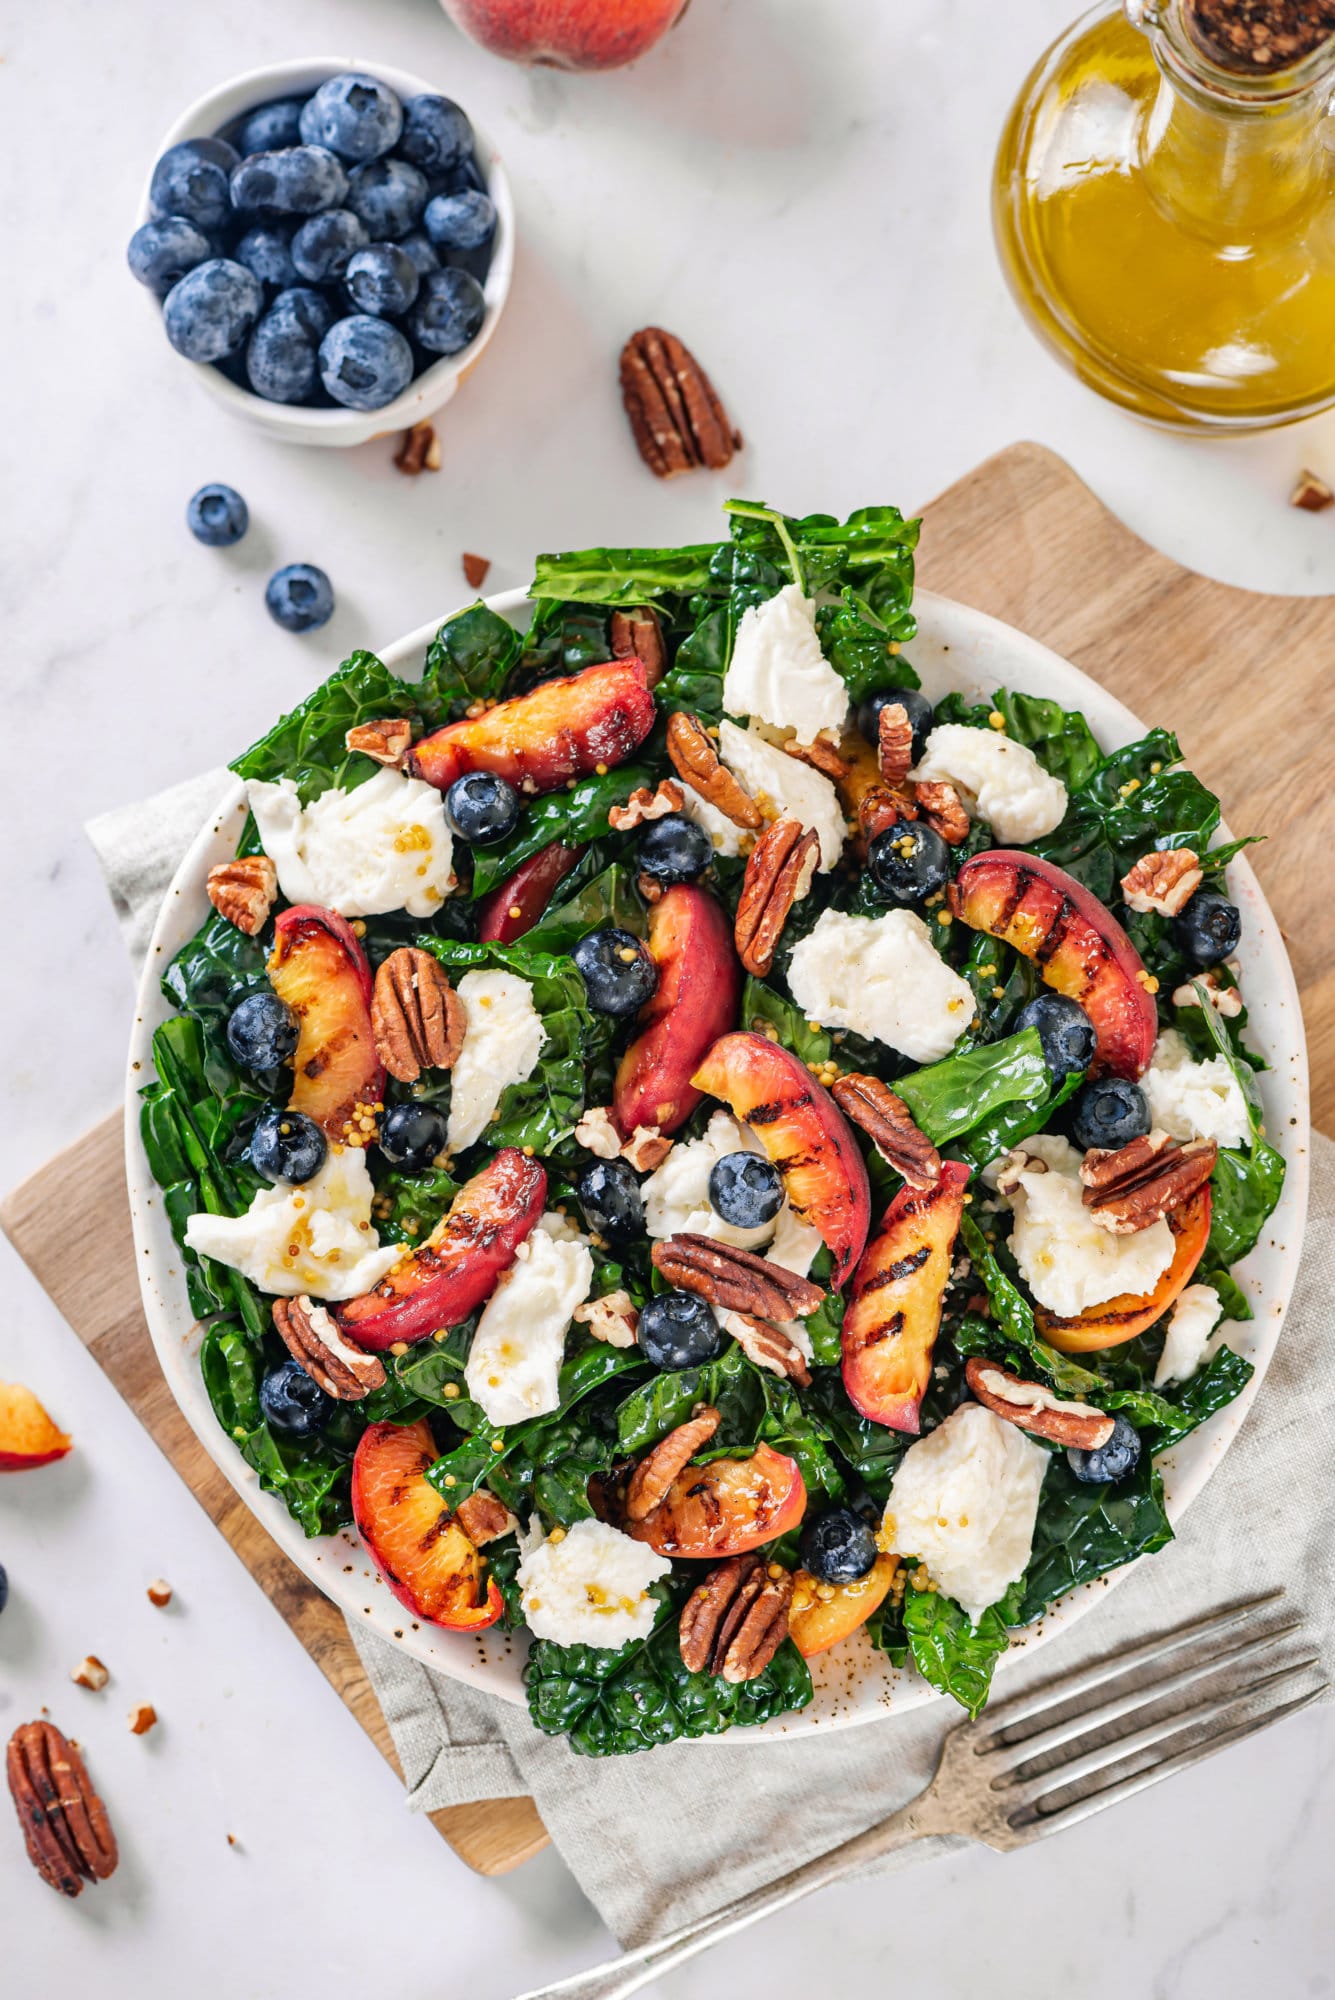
(566, 34)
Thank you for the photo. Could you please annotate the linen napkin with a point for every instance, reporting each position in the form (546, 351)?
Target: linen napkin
(660, 1838)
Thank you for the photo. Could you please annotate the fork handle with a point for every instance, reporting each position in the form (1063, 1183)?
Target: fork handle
(619, 1977)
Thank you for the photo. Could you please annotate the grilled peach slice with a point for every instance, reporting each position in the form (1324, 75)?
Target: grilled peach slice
(520, 900)
(894, 1308)
(1078, 947)
(817, 1623)
(726, 1507)
(561, 729)
(1123, 1318)
(319, 969)
(458, 1265)
(803, 1131)
(28, 1438)
(415, 1542)
(699, 991)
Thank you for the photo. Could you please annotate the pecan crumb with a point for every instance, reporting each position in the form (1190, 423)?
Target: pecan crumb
(475, 570)
(142, 1717)
(419, 450)
(90, 1673)
(159, 1592)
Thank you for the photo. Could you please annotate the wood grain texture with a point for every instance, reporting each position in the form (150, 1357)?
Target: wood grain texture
(1245, 680)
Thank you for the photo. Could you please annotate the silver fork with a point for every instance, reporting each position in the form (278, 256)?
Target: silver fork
(984, 1789)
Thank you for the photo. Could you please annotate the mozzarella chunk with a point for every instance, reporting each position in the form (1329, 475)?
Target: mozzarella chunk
(1194, 1100)
(316, 1238)
(514, 1362)
(502, 1043)
(795, 1243)
(676, 1195)
(778, 671)
(881, 977)
(964, 1501)
(1068, 1260)
(1193, 1320)
(725, 836)
(590, 1586)
(385, 845)
(1001, 781)
(800, 792)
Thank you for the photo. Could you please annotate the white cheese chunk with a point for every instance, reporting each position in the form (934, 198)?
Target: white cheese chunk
(591, 1586)
(1193, 1320)
(514, 1361)
(725, 836)
(1068, 1260)
(316, 1238)
(1194, 1100)
(964, 1501)
(999, 780)
(881, 977)
(676, 1195)
(795, 1243)
(778, 671)
(502, 1043)
(385, 845)
(798, 791)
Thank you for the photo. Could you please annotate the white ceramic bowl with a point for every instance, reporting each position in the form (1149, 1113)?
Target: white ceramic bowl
(956, 648)
(434, 387)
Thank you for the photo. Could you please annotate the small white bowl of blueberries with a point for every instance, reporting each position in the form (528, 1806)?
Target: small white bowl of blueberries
(329, 245)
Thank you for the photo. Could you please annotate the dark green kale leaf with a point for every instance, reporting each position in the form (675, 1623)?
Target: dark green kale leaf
(308, 745)
(951, 1097)
(951, 1653)
(763, 1008)
(870, 1451)
(1246, 1184)
(408, 1206)
(623, 576)
(992, 1137)
(1164, 1417)
(1084, 1531)
(887, 1631)
(312, 1476)
(607, 897)
(470, 659)
(572, 817)
(754, 1406)
(1013, 1320)
(1138, 799)
(563, 639)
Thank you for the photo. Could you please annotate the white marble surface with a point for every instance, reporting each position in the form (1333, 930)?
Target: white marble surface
(802, 193)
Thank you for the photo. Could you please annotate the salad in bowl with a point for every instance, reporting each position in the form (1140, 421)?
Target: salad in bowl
(697, 1151)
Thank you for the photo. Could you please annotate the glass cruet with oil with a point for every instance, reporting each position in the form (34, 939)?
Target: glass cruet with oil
(1164, 207)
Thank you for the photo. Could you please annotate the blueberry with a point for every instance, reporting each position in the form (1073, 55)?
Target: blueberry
(1109, 1112)
(217, 516)
(609, 1195)
(4, 1587)
(1115, 1460)
(436, 134)
(364, 362)
(411, 1135)
(271, 126)
(296, 180)
(300, 597)
(838, 1546)
(292, 1402)
(1209, 928)
(457, 179)
(909, 862)
(916, 706)
(287, 1146)
(383, 280)
(209, 313)
(678, 1330)
(354, 114)
(673, 849)
(422, 251)
(618, 973)
(323, 246)
(745, 1190)
(160, 253)
(482, 807)
(389, 196)
(282, 360)
(460, 221)
(262, 1031)
(1064, 1029)
(191, 181)
(449, 312)
(266, 249)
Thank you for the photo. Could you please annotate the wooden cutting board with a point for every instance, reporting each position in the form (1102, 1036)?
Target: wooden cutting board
(1245, 680)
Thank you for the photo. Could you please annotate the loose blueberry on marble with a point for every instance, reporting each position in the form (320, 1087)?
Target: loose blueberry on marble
(678, 1330)
(266, 249)
(191, 181)
(411, 1135)
(482, 807)
(1209, 929)
(217, 516)
(364, 362)
(382, 280)
(1109, 1112)
(618, 973)
(460, 221)
(745, 1190)
(282, 360)
(160, 253)
(436, 136)
(389, 196)
(838, 1546)
(609, 1195)
(300, 597)
(908, 863)
(293, 1402)
(287, 1146)
(262, 1031)
(916, 706)
(355, 115)
(270, 127)
(673, 849)
(1113, 1461)
(449, 312)
(212, 309)
(1064, 1029)
(324, 245)
(296, 180)
(422, 250)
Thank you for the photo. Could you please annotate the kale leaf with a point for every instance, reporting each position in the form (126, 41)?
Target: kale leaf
(754, 1406)
(312, 1476)
(470, 659)
(950, 1097)
(1084, 1531)
(1012, 1319)
(949, 1651)
(308, 745)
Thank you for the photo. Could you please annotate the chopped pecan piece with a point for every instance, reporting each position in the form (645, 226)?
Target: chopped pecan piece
(734, 1280)
(1164, 881)
(64, 1822)
(779, 872)
(696, 762)
(418, 1018)
(646, 1148)
(1128, 1189)
(638, 635)
(483, 1517)
(1005, 1172)
(649, 888)
(141, 1718)
(311, 1336)
(611, 1318)
(1225, 1000)
(387, 741)
(90, 1673)
(649, 1483)
(735, 1621)
(597, 1134)
(1311, 493)
(475, 570)
(821, 756)
(644, 804)
(888, 1123)
(675, 414)
(943, 809)
(243, 891)
(419, 450)
(894, 743)
(768, 1346)
(1035, 1408)
(159, 1593)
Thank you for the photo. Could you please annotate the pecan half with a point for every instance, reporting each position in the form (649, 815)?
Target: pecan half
(638, 635)
(734, 1280)
(64, 1822)
(1162, 881)
(894, 743)
(419, 450)
(888, 1123)
(483, 1517)
(768, 1346)
(649, 1483)
(1135, 1185)
(1311, 493)
(418, 1018)
(821, 756)
(696, 762)
(243, 891)
(943, 809)
(387, 741)
(1225, 1000)
(311, 1336)
(779, 872)
(611, 1318)
(675, 414)
(735, 1621)
(644, 804)
(1035, 1408)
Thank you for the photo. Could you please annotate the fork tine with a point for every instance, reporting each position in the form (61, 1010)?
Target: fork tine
(1125, 1788)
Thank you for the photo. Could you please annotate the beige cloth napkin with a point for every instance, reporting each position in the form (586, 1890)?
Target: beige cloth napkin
(660, 1838)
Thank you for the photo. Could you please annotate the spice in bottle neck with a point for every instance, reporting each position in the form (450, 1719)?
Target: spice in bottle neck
(1258, 36)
